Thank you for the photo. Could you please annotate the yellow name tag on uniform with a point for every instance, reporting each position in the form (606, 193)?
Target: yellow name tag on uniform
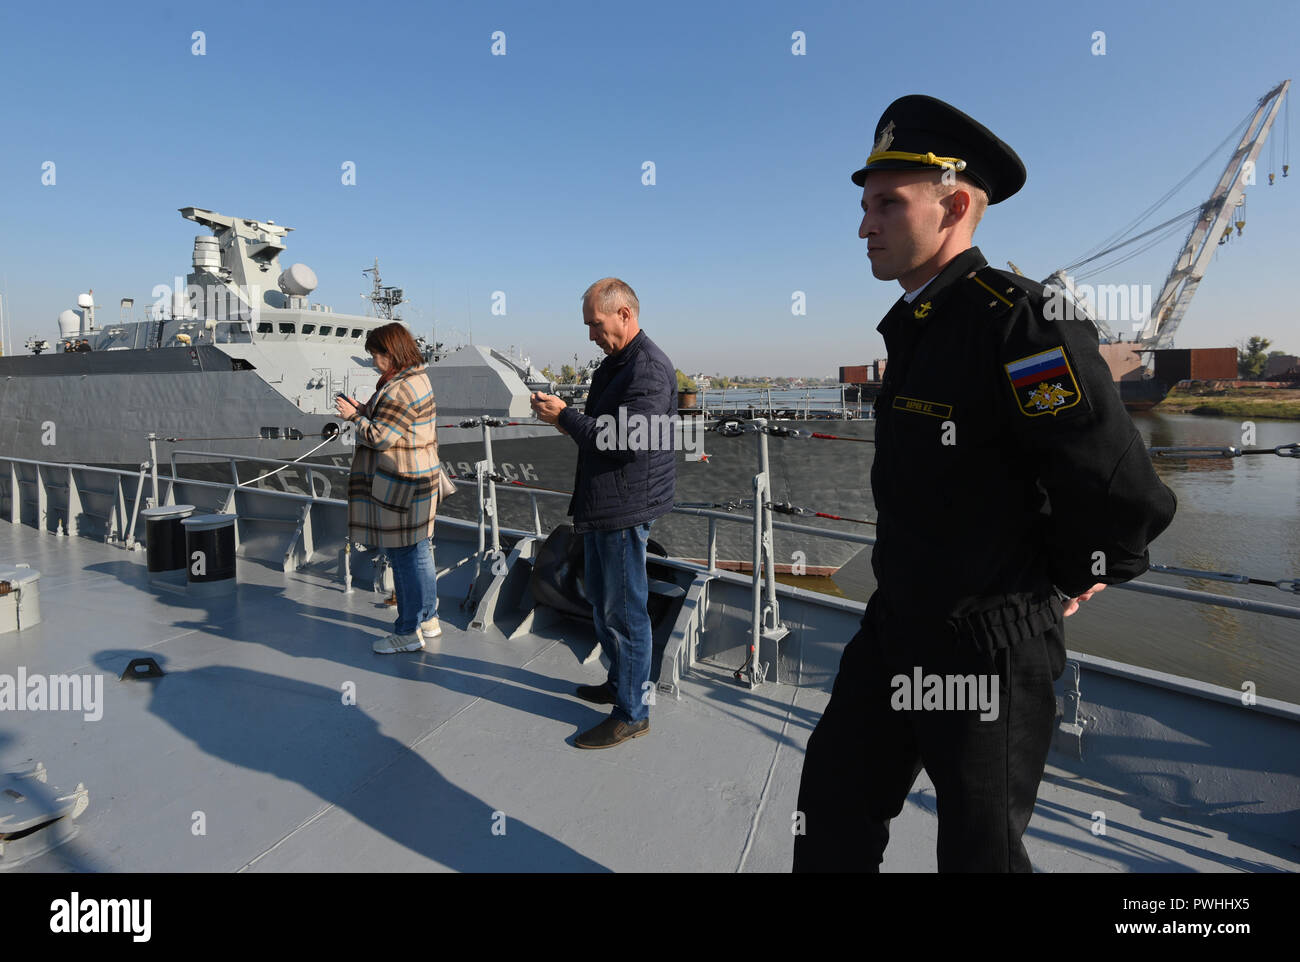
(932, 408)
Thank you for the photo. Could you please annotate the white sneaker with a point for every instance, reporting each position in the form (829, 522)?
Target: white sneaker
(395, 643)
(430, 628)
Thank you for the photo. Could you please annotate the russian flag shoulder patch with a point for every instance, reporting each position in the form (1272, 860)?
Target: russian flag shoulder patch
(1044, 383)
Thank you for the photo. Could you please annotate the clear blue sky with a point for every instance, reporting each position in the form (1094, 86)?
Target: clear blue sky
(522, 173)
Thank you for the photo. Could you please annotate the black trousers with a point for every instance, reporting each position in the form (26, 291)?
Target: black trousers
(865, 754)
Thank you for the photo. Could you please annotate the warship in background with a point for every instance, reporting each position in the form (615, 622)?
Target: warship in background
(240, 354)
(240, 368)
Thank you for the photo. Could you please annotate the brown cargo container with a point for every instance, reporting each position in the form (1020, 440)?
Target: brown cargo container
(1196, 363)
(857, 374)
(1212, 362)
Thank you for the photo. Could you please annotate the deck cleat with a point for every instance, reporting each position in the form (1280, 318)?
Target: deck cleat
(35, 817)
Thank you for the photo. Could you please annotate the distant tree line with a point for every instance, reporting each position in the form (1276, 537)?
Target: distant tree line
(685, 382)
(567, 374)
(1253, 356)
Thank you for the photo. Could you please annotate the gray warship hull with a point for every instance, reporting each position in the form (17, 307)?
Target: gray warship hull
(97, 408)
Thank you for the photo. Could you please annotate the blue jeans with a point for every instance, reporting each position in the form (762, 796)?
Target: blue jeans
(616, 583)
(415, 584)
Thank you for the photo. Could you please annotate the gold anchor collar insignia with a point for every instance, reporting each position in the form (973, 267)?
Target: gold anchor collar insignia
(922, 311)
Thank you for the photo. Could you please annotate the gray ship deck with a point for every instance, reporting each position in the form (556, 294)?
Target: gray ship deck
(249, 727)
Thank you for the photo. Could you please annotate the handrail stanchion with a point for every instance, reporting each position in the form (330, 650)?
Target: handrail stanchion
(762, 532)
(135, 508)
(492, 485)
(482, 508)
(537, 517)
(764, 602)
(487, 507)
(153, 460)
(769, 544)
(713, 545)
(760, 495)
(471, 595)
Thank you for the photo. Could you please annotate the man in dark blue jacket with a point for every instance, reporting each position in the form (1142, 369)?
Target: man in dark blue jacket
(626, 477)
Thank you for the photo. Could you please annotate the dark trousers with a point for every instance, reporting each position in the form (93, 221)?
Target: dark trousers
(618, 586)
(865, 754)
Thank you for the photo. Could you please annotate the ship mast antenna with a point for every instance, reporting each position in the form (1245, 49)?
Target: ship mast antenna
(385, 299)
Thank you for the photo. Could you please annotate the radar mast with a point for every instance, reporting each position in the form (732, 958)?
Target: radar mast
(384, 298)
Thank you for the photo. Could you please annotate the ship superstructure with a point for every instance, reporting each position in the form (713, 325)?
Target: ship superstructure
(235, 350)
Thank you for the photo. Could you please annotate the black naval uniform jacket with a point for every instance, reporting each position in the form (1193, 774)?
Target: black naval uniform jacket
(1005, 464)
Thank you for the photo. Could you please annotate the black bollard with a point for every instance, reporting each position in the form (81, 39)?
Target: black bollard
(165, 542)
(210, 554)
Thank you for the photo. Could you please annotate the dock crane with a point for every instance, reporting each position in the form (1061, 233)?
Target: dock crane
(1213, 225)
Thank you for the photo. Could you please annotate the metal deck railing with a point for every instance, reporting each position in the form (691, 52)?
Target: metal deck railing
(105, 503)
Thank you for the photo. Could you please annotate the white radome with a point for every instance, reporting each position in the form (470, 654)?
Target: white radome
(69, 324)
(298, 280)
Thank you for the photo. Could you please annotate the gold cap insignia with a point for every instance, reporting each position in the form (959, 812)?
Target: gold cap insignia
(886, 138)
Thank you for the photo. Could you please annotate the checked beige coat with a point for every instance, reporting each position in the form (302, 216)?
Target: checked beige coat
(393, 484)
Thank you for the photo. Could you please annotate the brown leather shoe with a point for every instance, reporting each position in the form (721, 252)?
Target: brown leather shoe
(597, 694)
(391, 600)
(612, 731)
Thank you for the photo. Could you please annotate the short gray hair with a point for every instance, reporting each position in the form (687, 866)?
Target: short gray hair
(608, 294)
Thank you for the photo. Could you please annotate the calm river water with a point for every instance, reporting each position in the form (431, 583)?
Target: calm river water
(1239, 516)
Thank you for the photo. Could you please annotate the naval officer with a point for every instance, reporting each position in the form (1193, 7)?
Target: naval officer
(1010, 486)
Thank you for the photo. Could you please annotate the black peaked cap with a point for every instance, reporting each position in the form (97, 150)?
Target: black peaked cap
(936, 134)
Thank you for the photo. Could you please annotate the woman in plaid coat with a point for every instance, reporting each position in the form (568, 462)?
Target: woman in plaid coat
(393, 485)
